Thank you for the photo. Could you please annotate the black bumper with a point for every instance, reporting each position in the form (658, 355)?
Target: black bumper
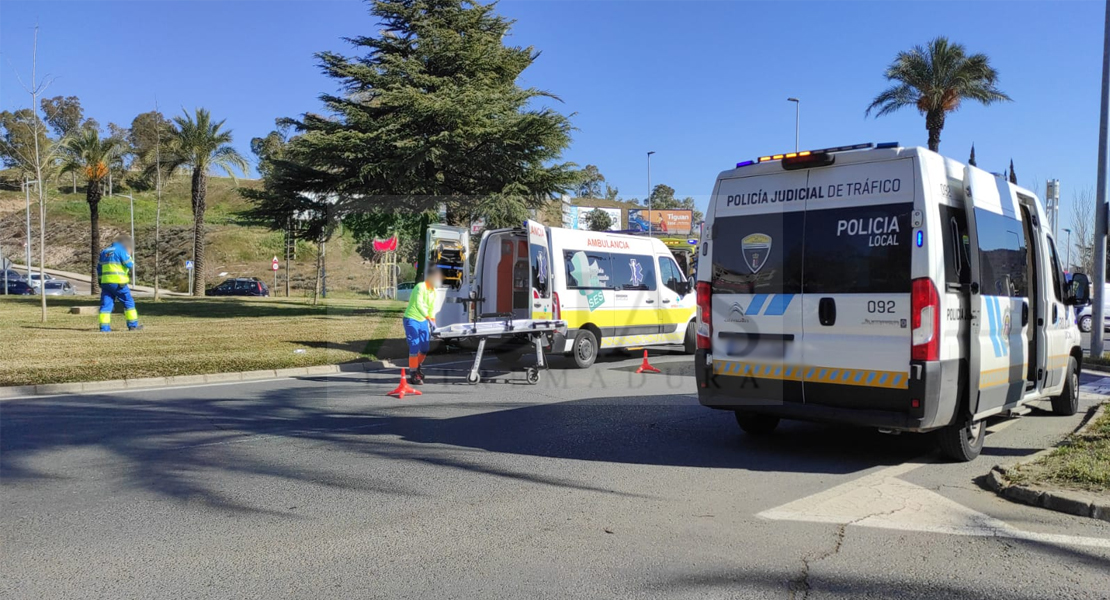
(930, 401)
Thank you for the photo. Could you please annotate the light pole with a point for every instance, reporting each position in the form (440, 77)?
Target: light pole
(1068, 264)
(134, 268)
(649, 191)
(27, 191)
(797, 119)
(1100, 198)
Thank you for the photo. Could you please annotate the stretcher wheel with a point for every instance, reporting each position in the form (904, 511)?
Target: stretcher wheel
(473, 378)
(533, 375)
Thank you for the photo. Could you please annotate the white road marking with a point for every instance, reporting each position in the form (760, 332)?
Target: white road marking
(881, 500)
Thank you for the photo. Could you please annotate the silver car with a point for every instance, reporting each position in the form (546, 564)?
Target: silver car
(59, 287)
(36, 279)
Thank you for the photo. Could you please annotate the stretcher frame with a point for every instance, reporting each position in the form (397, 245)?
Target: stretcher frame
(506, 327)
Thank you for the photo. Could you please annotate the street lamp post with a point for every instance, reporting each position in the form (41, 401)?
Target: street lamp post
(797, 119)
(649, 190)
(1068, 264)
(1100, 193)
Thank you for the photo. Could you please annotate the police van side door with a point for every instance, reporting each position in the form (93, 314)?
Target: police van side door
(999, 294)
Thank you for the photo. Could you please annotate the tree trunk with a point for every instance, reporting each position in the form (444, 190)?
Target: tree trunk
(200, 188)
(74, 182)
(92, 196)
(934, 122)
(421, 250)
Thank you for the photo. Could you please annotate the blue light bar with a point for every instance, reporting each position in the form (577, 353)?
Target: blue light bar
(886, 145)
(745, 163)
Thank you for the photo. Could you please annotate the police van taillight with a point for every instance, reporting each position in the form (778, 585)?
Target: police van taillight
(705, 312)
(924, 320)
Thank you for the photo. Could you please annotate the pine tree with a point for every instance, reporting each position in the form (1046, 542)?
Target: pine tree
(1013, 177)
(971, 159)
(431, 113)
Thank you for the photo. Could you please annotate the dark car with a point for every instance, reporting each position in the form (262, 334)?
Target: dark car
(20, 288)
(240, 286)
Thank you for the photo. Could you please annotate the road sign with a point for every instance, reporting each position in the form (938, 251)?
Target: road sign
(274, 265)
(188, 265)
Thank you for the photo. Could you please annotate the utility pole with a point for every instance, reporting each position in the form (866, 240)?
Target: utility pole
(649, 191)
(1100, 198)
(797, 119)
(1067, 265)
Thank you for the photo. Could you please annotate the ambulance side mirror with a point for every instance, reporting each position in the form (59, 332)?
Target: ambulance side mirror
(1079, 294)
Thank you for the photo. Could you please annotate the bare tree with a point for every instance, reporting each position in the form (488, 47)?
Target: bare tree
(1083, 229)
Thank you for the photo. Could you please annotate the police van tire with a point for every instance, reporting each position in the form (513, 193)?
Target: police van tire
(962, 441)
(584, 349)
(1067, 403)
(690, 342)
(755, 424)
(1085, 323)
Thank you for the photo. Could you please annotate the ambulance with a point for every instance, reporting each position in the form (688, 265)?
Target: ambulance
(613, 290)
(882, 286)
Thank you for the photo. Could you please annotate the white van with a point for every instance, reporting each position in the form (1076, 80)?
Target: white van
(882, 286)
(613, 290)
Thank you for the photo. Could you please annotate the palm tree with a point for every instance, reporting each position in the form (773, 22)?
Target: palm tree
(91, 156)
(199, 143)
(936, 79)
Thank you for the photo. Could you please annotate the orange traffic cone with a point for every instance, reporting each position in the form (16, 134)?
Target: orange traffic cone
(404, 388)
(646, 367)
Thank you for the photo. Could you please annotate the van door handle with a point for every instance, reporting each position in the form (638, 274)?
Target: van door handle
(665, 301)
(826, 311)
(536, 305)
(649, 301)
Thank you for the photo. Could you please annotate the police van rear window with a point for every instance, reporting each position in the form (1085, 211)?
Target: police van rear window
(856, 250)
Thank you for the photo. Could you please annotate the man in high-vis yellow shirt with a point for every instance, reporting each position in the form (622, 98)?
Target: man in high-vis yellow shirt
(420, 322)
(114, 269)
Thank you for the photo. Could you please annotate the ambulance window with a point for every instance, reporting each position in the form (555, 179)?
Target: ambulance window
(541, 269)
(1002, 257)
(858, 250)
(1057, 274)
(758, 254)
(671, 274)
(633, 272)
(587, 270)
(953, 233)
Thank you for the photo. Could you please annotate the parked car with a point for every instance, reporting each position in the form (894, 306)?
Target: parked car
(240, 286)
(59, 287)
(1085, 316)
(13, 275)
(20, 288)
(35, 278)
(404, 290)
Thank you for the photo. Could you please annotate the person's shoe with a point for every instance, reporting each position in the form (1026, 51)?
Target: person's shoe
(414, 379)
(105, 329)
(418, 377)
(135, 327)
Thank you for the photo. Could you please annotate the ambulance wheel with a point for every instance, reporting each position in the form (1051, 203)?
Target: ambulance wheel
(1067, 403)
(690, 342)
(1085, 324)
(533, 375)
(754, 424)
(585, 349)
(962, 441)
(473, 378)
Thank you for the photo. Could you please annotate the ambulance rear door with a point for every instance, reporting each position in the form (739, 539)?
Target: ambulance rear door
(539, 261)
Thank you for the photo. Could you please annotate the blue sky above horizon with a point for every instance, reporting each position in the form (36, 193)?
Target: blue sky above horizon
(703, 84)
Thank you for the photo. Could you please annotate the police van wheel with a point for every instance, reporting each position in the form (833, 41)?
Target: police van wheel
(690, 342)
(585, 349)
(1067, 403)
(962, 442)
(754, 424)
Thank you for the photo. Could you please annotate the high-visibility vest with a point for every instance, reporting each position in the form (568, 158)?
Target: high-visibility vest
(115, 265)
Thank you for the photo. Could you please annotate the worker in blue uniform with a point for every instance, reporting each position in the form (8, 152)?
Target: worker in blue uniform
(114, 270)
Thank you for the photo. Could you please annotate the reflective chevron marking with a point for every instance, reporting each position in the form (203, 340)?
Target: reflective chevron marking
(815, 374)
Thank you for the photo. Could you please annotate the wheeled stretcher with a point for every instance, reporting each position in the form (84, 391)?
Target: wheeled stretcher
(532, 329)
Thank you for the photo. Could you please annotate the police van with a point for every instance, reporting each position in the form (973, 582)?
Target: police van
(882, 286)
(613, 290)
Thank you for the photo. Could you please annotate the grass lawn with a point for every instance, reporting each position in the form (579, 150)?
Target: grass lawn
(188, 336)
(1082, 461)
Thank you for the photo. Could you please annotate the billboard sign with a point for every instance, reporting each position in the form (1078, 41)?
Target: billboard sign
(676, 222)
(577, 217)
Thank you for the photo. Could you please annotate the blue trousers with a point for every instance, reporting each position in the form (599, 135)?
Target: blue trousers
(417, 335)
(110, 293)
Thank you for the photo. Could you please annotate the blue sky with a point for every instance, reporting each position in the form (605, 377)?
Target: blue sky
(704, 84)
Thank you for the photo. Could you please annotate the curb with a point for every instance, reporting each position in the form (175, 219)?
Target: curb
(1065, 501)
(91, 387)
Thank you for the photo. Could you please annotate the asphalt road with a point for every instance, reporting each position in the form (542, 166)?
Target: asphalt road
(592, 484)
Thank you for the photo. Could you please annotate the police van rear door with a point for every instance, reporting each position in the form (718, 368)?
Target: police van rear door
(857, 284)
(756, 282)
(1000, 288)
